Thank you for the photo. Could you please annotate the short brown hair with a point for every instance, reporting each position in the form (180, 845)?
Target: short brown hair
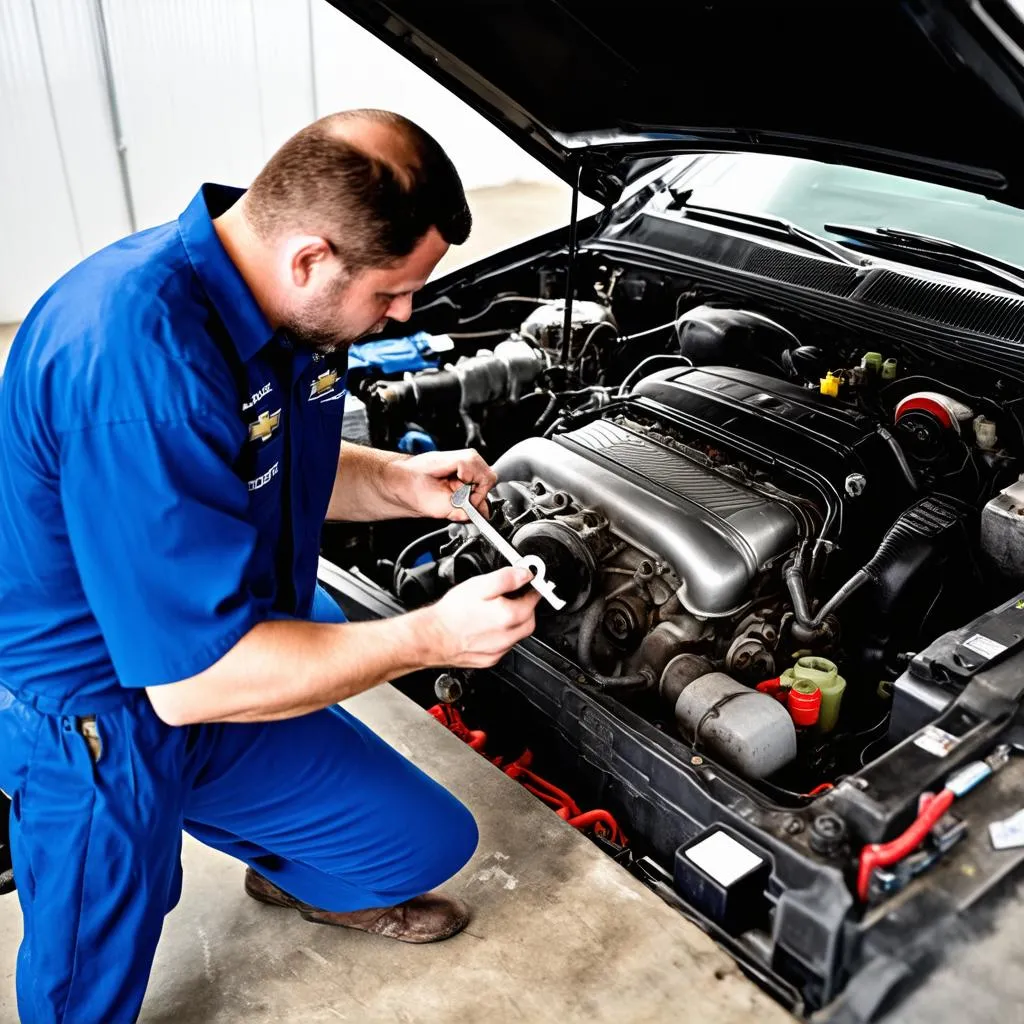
(371, 211)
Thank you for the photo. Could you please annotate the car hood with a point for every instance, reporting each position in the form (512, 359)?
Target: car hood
(932, 89)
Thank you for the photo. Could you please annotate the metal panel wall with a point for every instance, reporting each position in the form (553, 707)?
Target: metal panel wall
(196, 90)
(60, 192)
(191, 95)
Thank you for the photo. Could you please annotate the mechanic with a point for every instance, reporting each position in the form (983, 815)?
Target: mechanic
(171, 421)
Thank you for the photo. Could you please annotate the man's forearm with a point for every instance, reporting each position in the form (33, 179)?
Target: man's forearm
(362, 488)
(282, 669)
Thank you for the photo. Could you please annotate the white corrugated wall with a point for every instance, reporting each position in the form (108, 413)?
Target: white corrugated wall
(194, 90)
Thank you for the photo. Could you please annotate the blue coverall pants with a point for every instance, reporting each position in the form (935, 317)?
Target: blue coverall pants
(318, 804)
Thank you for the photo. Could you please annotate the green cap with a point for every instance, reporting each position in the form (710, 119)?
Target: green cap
(872, 361)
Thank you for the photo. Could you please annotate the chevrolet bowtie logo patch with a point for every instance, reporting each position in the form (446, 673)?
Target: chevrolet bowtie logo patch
(262, 428)
(324, 384)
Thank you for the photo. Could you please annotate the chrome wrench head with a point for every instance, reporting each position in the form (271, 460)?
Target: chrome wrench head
(540, 583)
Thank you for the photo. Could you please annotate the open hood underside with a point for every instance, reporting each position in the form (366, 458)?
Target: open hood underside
(932, 89)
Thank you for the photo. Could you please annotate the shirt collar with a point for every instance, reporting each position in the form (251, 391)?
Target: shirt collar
(223, 284)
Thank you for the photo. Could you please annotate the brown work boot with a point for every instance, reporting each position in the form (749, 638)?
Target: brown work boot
(427, 918)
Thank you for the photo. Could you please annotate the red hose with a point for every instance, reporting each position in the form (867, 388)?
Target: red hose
(598, 818)
(877, 855)
(546, 797)
(557, 799)
(516, 771)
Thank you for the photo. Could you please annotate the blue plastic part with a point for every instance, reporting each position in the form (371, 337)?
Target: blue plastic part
(412, 442)
(390, 357)
(964, 780)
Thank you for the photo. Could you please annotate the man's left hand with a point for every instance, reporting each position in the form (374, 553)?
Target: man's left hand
(425, 483)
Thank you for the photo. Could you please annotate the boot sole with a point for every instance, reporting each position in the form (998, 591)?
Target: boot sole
(420, 940)
(309, 914)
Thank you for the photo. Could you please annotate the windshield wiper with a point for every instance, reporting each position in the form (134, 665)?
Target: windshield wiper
(937, 251)
(764, 224)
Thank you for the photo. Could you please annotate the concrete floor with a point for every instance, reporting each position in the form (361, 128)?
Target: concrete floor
(560, 932)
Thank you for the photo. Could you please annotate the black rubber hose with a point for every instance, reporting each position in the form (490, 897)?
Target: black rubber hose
(588, 630)
(638, 370)
(584, 644)
(897, 451)
(548, 415)
(414, 550)
(920, 524)
(798, 595)
(638, 681)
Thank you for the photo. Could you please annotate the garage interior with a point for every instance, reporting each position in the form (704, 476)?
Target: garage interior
(560, 932)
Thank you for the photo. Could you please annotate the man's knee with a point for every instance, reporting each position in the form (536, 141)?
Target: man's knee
(463, 834)
(448, 847)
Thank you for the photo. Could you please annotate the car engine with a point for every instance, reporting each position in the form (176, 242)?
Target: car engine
(775, 541)
(683, 523)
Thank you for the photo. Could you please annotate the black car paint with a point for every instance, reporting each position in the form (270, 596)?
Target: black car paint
(927, 88)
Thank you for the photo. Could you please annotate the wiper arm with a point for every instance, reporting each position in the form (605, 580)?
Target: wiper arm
(765, 224)
(898, 241)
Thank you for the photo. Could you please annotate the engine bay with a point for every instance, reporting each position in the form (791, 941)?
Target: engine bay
(757, 522)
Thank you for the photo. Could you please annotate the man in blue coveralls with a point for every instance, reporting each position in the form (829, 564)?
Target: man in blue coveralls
(170, 421)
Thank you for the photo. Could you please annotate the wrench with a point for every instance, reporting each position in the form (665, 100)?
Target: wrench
(460, 499)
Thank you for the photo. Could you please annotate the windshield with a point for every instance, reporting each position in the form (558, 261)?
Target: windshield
(812, 194)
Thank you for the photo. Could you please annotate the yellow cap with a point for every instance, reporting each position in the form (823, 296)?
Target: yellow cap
(830, 385)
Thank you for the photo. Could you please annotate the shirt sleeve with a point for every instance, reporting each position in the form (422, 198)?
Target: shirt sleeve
(157, 523)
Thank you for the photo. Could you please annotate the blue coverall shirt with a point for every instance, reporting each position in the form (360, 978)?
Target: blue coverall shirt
(166, 462)
(150, 437)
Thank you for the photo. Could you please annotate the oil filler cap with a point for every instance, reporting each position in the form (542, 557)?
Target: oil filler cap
(724, 876)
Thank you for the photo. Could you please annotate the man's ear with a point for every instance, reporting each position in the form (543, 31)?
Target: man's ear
(307, 255)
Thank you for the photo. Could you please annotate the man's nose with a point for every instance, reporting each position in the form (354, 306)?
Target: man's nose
(400, 308)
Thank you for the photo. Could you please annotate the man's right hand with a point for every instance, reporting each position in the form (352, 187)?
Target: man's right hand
(476, 622)
(284, 668)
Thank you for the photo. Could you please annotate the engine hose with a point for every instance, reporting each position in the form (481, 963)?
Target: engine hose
(897, 451)
(413, 551)
(588, 630)
(637, 681)
(850, 587)
(584, 646)
(798, 595)
(548, 415)
(645, 366)
(920, 524)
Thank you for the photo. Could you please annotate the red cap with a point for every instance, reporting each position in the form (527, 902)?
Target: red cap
(773, 687)
(804, 707)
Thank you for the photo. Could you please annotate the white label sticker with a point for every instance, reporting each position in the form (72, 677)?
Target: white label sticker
(724, 859)
(983, 645)
(1009, 833)
(936, 741)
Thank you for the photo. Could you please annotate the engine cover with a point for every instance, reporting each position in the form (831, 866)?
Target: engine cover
(785, 426)
(715, 533)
